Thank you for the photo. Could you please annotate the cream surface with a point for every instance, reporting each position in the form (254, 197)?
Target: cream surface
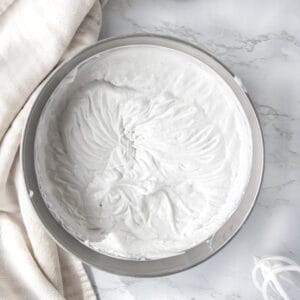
(143, 152)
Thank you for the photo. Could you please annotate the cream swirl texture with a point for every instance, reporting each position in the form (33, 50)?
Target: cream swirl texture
(143, 152)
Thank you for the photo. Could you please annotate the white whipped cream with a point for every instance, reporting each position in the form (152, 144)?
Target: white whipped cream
(143, 152)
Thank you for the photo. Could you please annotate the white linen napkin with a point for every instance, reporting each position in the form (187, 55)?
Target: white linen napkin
(34, 37)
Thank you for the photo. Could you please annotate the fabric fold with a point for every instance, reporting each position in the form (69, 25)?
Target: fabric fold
(35, 36)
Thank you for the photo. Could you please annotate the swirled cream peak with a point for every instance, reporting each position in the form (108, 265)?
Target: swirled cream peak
(143, 152)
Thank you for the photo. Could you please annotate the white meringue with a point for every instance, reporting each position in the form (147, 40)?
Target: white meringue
(143, 152)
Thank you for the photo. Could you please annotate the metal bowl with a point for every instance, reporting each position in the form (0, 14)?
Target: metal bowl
(161, 266)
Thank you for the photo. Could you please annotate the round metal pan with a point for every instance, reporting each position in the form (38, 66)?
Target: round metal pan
(161, 266)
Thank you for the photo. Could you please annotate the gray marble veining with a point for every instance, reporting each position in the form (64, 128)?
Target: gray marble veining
(260, 42)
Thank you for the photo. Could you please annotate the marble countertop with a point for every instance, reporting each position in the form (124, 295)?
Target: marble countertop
(260, 42)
